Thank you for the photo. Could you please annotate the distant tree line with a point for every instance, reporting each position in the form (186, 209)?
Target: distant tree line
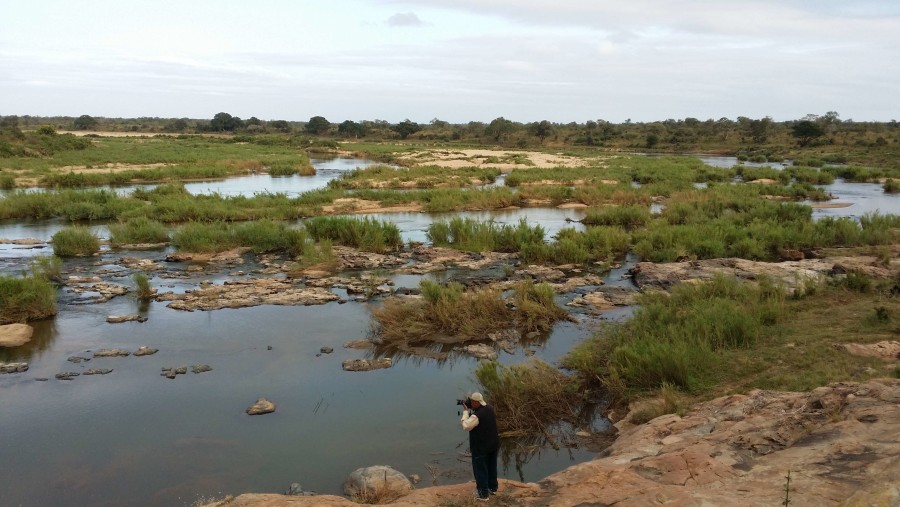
(689, 134)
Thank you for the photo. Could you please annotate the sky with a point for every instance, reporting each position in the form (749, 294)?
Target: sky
(453, 60)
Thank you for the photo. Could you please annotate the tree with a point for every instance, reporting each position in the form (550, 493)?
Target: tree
(177, 125)
(224, 122)
(759, 130)
(807, 131)
(85, 122)
(350, 128)
(499, 128)
(280, 125)
(9, 121)
(541, 130)
(406, 128)
(318, 125)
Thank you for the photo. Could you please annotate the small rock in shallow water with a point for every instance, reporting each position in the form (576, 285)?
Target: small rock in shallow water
(68, 375)
(111, 353)
(297, 490)
(262, 406)
(13, 367)
(98, 371)
(366, 364)
(77, 359)
(41, 379)
(200, 368)
(143, 350)
(326, 350)
(118, 319)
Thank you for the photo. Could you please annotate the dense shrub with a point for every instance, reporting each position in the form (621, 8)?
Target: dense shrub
(74, 242)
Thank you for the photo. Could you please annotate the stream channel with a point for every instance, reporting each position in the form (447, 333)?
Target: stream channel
(133, 437)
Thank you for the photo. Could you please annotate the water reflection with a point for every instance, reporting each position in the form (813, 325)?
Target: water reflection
(45, 333)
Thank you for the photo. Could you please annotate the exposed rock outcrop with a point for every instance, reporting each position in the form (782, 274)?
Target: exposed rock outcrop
(839, 442)
(248, 292)
(14, 335)
(884, 350)
(13, 367)
(649, 275)
(118, 319)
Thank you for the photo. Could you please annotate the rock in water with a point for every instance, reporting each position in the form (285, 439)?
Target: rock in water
(13, 335)
(111, 353)
(481, 351)
(144, 350)
(262, 406)
(200, 368)
(366, 364)
(118, 319)
(297, 490)
(378, 478)
(98, 371)
(326, 350)
(13, 367)
(68, 375)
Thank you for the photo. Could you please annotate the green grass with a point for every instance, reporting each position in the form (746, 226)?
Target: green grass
(891, 186)
(143, 290)
(362, 233)
(7, 181)
(476, 236)
(75, 242)
(137, 230)
(626, 217)
(261, 237)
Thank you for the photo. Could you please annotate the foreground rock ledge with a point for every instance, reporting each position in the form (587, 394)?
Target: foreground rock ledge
(246, 293)
(839, 442)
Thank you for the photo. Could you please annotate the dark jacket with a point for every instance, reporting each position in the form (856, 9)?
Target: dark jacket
(484, 437)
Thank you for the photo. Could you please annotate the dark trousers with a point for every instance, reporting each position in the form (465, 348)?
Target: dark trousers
(484, 467)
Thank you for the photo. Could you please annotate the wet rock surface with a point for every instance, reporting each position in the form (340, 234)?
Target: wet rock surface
(262, 406)
(246, 293)
(67, 375)
(366, 364)
(480, 351)
(93, 290)
(200, 368)
(172, 372)
(14, 335)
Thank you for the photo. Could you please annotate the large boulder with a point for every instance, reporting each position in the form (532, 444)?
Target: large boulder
(14, 335)
(377, 481)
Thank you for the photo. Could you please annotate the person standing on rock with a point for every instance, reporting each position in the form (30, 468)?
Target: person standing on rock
(484, 442)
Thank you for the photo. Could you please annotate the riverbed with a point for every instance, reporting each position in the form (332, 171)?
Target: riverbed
(134, 437)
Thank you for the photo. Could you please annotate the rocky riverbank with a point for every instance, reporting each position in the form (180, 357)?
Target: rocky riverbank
(839, 444)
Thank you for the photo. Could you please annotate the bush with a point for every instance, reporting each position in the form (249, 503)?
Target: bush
(75, 242)
(261, 237)
(891, 186)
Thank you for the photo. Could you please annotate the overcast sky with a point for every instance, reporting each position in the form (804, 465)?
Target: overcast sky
(456, 60)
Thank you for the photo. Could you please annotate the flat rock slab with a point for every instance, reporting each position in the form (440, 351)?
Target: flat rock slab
(250, 292)
(262, 406)
(885, 349)
(14, 335)
(67, 375)
(118, 319)
(172, 372)
(366, 364)
(112, 353)
(200, 368)
(481, 351)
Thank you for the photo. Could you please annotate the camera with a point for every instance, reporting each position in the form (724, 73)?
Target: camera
(466, 402)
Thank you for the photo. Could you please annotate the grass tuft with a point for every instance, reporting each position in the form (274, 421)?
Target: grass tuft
(75, 242)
